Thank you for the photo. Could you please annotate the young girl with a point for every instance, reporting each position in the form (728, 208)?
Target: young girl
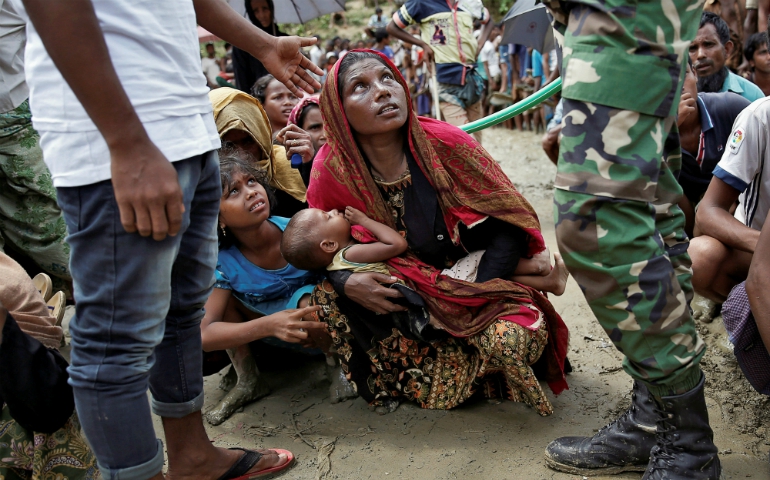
(257, 294)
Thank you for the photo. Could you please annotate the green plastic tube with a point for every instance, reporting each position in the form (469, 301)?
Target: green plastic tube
(535, 99)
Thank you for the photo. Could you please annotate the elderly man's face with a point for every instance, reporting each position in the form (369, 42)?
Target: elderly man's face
(707, 53)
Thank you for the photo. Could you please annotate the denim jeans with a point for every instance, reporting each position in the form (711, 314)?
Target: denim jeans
(139, 303)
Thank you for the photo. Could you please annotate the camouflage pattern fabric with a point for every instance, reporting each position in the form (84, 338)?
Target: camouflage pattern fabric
(31, 222)
(617, 220)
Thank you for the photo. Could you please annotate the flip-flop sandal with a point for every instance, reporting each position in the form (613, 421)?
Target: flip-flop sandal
(56, 306)
(247, 462)
(44, 285)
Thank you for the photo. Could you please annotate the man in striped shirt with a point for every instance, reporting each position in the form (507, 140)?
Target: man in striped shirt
(722, 252)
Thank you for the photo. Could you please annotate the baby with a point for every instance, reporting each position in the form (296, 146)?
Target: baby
(315, 239)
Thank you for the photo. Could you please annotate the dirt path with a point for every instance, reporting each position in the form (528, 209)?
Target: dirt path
(490, 440)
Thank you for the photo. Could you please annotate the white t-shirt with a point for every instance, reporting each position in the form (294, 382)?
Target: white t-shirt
(210, 67)
(489, 54)
(743, 164)
(154, 49)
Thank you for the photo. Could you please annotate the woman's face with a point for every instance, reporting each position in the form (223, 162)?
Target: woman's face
(279, 101)
(244, 204)
(373, 100)
(314, 125)
(262, 12)
(244, 142)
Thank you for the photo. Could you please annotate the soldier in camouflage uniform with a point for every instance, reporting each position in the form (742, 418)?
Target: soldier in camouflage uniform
(622, 234)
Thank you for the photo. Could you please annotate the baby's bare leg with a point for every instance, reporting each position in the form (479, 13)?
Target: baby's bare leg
(554, 281)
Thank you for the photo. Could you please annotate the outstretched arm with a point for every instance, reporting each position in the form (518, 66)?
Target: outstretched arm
(223, 327)
(280, 55)
(391, 243)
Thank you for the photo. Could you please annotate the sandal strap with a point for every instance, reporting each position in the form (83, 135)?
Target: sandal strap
(243, 465)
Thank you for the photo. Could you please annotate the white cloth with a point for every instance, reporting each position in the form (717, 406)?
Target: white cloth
(375, 23)
(210, 67)
(743, 165)
(13, 88)
(467, 268)
(489, 54)
(154, 49)
(316, 55)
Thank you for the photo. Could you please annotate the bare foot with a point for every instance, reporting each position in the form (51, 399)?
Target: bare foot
(703, 309)
(558, 276)
(229, 380)
(224, 459)
(341, 388)
(387, 405)
(245, 391)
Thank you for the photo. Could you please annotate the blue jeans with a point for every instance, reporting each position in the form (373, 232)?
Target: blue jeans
(139, 307)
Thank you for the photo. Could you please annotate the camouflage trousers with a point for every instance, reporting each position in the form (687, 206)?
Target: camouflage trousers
(31, 223)
(618, 225)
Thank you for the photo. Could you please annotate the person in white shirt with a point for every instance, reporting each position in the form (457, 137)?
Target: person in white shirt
(376, 21)
(210, 66)
(724, 243)
(491, 60)
(31, 221)
(127, 131)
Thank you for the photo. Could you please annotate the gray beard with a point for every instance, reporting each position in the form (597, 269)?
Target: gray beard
(713, 83)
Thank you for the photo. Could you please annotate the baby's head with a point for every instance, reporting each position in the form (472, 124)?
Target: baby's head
(313, 237)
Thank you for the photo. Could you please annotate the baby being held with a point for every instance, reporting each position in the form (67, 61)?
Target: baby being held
(315, 239)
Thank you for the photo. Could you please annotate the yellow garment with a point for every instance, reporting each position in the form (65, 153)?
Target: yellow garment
(235, 110)
(340, 263)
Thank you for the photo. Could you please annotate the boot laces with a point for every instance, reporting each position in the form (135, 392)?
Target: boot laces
(663, 456)
(623, 416)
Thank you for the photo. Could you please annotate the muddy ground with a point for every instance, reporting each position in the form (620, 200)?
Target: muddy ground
(486, 439)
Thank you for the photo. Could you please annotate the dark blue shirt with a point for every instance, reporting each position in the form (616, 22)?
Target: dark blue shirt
(717, 115)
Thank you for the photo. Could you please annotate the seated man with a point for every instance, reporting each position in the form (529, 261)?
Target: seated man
(746, 314)
(705, 123)
(709, 52)
(721, 255)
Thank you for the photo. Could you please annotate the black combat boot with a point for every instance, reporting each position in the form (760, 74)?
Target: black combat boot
(685, 447)
(623, 445)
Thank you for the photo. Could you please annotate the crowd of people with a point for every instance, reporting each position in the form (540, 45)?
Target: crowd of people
(296, 194)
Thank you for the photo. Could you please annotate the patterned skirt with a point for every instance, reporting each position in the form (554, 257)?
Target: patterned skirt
(384, 361)
(62, 455)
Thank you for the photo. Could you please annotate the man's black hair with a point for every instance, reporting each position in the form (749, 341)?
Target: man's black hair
(723, 31)
(381, 34)
(755, 42)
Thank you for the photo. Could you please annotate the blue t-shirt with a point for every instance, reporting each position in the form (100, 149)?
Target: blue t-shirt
(537, 67)
(387, 51)
(262, 291)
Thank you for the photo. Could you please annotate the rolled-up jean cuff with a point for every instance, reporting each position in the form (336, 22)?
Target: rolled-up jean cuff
(137, 472)
(177, 410)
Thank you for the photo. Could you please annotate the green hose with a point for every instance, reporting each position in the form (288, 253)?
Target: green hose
(535, 99)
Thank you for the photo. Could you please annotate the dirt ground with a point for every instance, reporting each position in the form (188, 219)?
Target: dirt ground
(486, 439)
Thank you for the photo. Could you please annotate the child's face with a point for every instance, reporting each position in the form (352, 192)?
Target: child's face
(331, 226)
(244, 204)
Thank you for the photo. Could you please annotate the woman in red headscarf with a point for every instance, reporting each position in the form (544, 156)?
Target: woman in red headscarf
(438, 187)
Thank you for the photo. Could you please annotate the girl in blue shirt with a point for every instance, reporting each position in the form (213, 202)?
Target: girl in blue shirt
(257, 294)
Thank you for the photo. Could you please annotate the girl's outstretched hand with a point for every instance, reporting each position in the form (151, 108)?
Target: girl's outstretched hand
(289, 327)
